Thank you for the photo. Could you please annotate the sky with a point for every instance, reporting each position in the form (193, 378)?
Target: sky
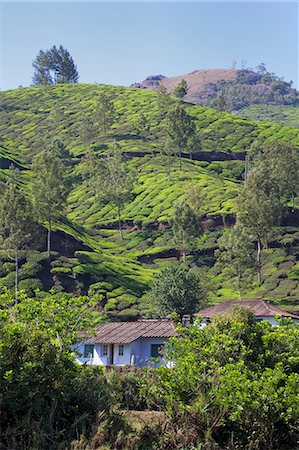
(121, 43)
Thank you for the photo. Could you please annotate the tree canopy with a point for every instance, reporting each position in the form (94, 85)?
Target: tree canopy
(54, 66)
(176, 289)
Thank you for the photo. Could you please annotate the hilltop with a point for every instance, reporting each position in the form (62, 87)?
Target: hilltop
(258, 95)
(89, 256)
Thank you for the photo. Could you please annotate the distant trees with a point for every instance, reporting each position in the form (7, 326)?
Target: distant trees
(179, 128)
(176, 289)
(54, 66)
(44, 392)
(186, 227)
(163, 100)
(51, 185)
(105, 112)
(181, 89)
(16, 224)
(236, 252)
(116, 180)
(271, 182)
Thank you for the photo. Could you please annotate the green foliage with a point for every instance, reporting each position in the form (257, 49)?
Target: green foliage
(234, 382)
(105, 112)
(181, 89)
(116, 180)
(179, 128)
(186, 227)
(176, 289)
(248, 88)
(49, 196)
(284, 115)
(30, 120)
(54, 66)
(44, 392)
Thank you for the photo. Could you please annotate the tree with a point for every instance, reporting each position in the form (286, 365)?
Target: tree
(116, 180)
(47, 399)
(54, 66)
(51, 185)
(236, 251)
(234, 384)
(105, 112)
(16, 224)
(220, 103)
(259, 208)
(279, 160)
(181, 89)
(176, 289)
(87, 131)
(142, 125)
(271, 181)
(90, 169)
(179, 128)
(186, 227)
(163, 100)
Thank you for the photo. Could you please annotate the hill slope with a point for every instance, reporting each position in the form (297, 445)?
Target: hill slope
(90, 255)
(261, 96)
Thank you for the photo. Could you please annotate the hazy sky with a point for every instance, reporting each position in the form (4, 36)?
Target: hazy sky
(120, 42)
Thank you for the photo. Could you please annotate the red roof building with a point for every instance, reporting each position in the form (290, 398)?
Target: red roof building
(260, 308)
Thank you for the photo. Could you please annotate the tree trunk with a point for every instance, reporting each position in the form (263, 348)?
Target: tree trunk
(16, 275)
(119, 223)
(239, 281)
(49, 239)
(181, 163)
(258, 259)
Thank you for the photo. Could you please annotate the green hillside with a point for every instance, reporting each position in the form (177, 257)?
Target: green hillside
(282, 114)
(90, 256)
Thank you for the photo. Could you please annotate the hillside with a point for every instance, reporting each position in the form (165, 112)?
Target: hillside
(89, 255)
(249, 94)
(282, 114)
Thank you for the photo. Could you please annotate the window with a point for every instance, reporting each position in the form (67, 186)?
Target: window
(88, 351)
(105, 350)
(156, 350)
(121, 350)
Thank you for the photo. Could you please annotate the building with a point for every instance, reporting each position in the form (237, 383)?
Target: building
(262, 310)
(122, 343)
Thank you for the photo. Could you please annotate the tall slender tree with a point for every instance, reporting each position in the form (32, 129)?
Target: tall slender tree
(105, 112)
(16, 225)
(259, 209)
(116, 180)
(179, 127)
(186, 227)
(51, 185)
(236, 252)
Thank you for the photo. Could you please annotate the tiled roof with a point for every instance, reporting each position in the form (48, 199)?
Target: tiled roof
(127, 332)
(260, 308)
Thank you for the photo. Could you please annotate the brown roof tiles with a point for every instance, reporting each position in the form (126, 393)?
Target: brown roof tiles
(127, 332)
(260, 308)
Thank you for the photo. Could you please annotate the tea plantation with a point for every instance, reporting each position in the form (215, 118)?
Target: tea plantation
(89, 255)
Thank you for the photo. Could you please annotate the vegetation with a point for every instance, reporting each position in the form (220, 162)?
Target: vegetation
(176, 289)
(181, 89)
(54, 66)
(232, 384)
(88, 255)
(248, 88)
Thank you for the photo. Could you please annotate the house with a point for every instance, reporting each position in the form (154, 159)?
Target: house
(262, 310)
(121, 343)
